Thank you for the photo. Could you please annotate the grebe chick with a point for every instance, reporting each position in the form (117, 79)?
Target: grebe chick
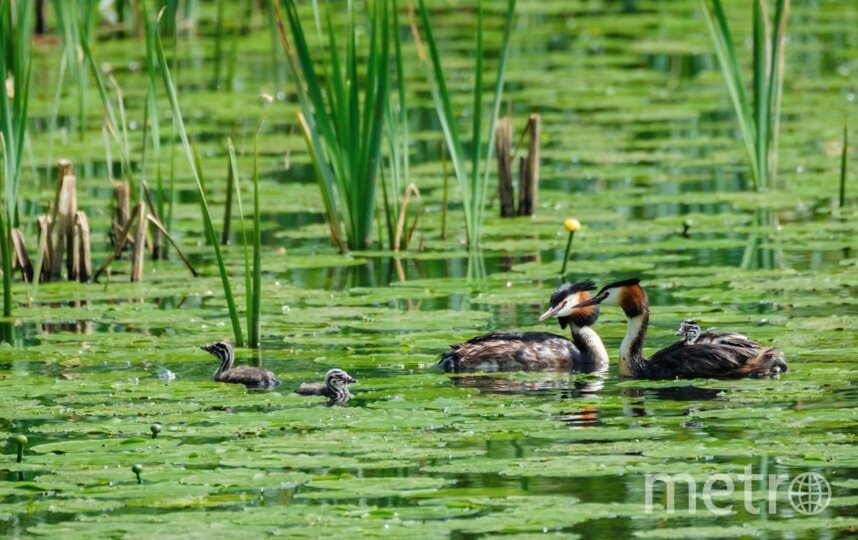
(254, 378)
(691, 333)
(533, 351)
(732, 357)
(334, 387)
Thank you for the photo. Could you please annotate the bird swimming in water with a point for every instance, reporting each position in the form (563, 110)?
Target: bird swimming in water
(334, 387)
(254, 378)
(532, 351)
(731, 357)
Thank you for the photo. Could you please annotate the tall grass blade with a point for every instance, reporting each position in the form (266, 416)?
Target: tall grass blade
(248, 284)
(342, 117)
(759, 122)
(776, 83)
(473, 184)
(716, 20)
(844, 164)
(196, 171)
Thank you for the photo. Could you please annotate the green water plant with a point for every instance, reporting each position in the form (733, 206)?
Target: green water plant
(395, 182)
(844, 151)
(21, 442)
(759, 119)
(252, 272)
(137, 469)
(473, 181)
(75, 23)
(155, 429)
(572, 225)
(15, 33)
(196, 173)
(341, 115)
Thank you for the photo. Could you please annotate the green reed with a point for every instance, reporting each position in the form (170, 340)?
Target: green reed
(342, 116)
(844, 163)
(196, 172)
(473, 182)
(396, 124)
(15, 35)
(75, 22)
(252, 273)
(759, 121)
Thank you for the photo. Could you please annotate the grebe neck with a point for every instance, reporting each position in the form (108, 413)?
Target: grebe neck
(227, 357)
(589, 343)
(631, 349)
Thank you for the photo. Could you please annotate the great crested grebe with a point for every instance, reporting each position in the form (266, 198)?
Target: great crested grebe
(255, 378)
(509, 351)
(334, 387)
(691, 333)
(739, 358)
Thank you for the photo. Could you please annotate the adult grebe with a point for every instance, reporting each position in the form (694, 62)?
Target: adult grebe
(681, 360)
(510, 351)
(255, 378)
(334, 387)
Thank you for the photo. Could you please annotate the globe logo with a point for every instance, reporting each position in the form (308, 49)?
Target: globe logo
(809, 493)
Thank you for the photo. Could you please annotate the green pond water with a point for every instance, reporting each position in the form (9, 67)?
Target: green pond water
(638, 139)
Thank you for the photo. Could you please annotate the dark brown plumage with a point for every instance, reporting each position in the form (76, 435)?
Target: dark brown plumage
(534, 351)
(255, 378)
(716, 356)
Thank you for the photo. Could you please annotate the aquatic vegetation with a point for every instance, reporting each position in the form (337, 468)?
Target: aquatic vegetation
(473, 183)
(759, 121)
(137, 469)
(572, 225)
(193, 160)
(343, 138)
(638, 139)
(15, 70)
(21, 442)
(844, 167)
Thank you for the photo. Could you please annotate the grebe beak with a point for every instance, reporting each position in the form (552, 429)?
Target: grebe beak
(598, 299)
(551, 312)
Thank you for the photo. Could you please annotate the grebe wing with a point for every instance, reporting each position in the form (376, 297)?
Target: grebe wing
(505, 351)
(716, 360)
(313, 389)
(526, 337)
(726, 338)
(700, 360)
(250, 376)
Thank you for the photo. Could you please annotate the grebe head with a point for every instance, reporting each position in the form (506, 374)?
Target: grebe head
(689, 330)
(564, 301)
(220, 350)
(225, 354)
(338, 377)
(627, 294)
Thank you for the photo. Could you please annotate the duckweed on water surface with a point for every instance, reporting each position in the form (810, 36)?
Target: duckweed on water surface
(638, 142)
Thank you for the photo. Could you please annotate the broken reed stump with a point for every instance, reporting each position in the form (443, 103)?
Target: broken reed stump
(45, 248)
(64, 235)
(72, 242)
(121, 210)
(506, 190)
(83, 247)
(139, 244)
(63, 226)
(528, 174)
(20, 258)
(141, 218)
